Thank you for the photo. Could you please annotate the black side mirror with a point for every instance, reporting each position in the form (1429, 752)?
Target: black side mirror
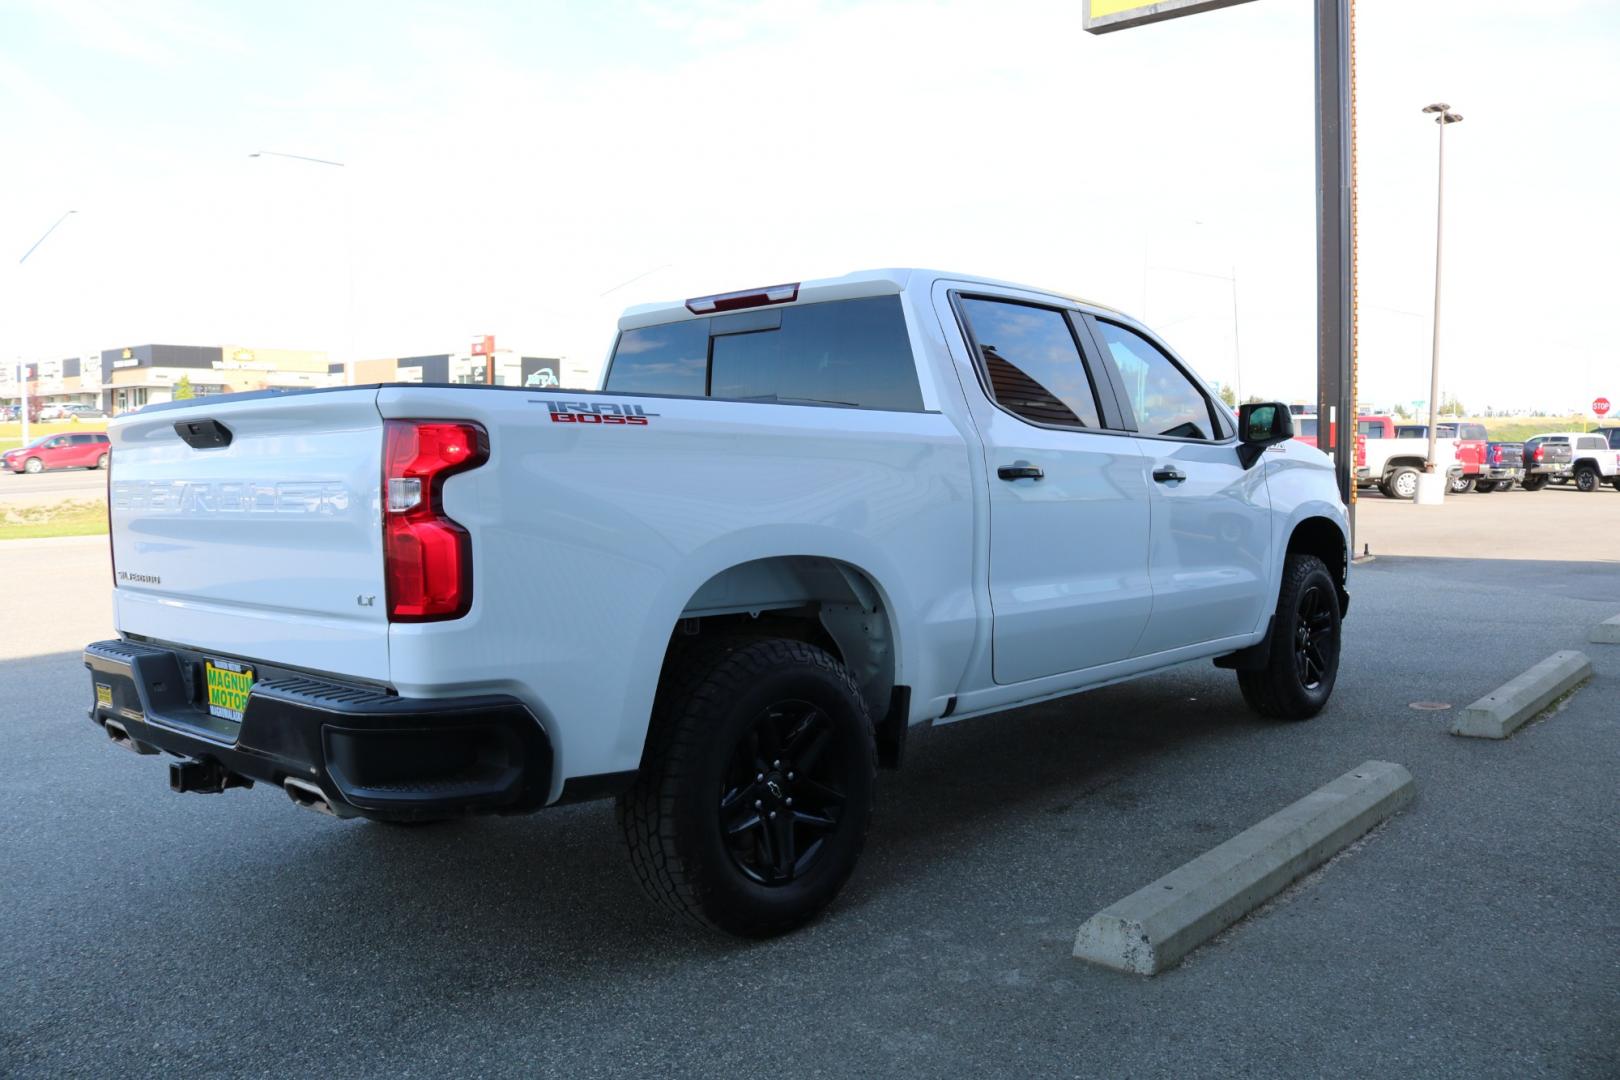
(1262, 424)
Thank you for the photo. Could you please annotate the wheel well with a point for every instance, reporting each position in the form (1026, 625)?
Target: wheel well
(1321, 537)
(825, 602)
(1393, 462)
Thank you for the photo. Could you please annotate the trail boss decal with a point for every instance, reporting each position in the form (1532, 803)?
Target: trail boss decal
(601, 412)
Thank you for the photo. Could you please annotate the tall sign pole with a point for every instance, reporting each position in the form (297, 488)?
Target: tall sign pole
(1335, 250)
(1335, 189)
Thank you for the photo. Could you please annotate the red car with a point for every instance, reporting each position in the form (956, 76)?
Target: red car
(80, 450)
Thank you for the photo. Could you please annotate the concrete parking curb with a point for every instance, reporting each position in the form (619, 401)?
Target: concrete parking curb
(1607, 632)
(1153, 928)
(1505, 709)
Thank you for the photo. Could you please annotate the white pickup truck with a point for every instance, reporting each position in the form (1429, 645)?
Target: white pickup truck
(794, 523)
(1593, 461)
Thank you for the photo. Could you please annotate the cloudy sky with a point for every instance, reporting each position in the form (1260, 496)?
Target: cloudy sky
(529, 169)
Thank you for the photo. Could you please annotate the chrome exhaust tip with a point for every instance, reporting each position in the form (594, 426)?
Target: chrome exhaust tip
(307, 795)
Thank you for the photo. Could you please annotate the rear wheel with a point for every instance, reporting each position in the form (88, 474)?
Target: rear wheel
(1504, 485)
(755, 791)
(1402, 483)
(1586, 478)
(101, 462)
(1303, 660)
(33, 465)
(1461, 485)
(1485, 487)
(1534, 482)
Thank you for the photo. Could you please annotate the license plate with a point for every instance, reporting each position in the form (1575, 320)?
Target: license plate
(103, 694)
(228, 685)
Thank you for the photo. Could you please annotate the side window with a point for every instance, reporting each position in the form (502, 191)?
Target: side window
(1164, 400)
(1032, 363)
(1474, 431)
(668, 359)
(83, 440)
(844, 352)
(1592, 444)
(57, 443)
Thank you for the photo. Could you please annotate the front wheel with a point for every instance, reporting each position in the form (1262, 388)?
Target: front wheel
(34, 465)
(1303, 660)
(1402, 483)
(755, 790)
(1586, 479)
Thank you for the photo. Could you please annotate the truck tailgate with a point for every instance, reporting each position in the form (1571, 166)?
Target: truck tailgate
(268, 548)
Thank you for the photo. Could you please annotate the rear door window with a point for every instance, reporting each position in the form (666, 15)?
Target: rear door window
(1474, 431)
(1305, 427)
(1031, 362)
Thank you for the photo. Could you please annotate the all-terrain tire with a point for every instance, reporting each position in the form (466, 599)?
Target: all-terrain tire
(1303, 660)
(1534, 482)
(723, 711)
(1586, 478)
(1485, 487)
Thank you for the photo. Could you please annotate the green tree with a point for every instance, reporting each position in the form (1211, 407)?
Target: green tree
(1402, 413)
(1229, 396)
(1450, 406)
(183, 390)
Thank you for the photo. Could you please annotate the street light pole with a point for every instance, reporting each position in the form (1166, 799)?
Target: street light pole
(348, 246)
(22, 365)
(1444, 118)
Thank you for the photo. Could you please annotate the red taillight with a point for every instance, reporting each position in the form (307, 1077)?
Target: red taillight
(747, 298)
(428, 557)
(1538, 453)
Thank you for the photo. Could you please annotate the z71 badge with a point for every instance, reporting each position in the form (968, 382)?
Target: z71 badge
(599, 412)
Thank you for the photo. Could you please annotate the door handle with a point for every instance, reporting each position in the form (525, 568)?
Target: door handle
(1164, 474)
(1020, 472)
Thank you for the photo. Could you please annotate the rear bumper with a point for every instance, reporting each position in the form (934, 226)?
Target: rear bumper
(1503, 472)
(353, 751)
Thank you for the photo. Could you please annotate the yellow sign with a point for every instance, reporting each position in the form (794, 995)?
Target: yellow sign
(1103, 16)
(128, 354)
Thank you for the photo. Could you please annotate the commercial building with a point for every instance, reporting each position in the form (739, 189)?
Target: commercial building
(118, 380)
(511, 369)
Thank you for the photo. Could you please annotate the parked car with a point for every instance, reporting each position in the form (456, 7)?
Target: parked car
(1468, 448)
(1504, 467)
(79, 450)
(1547, 460)
(54, 411)
(1592, 462)
(83, 412)
(1390, 459)
(793, 523)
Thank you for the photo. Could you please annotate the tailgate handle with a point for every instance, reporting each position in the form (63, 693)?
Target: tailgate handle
(203, 434)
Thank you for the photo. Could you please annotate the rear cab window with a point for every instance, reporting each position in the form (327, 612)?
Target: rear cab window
(850, 353)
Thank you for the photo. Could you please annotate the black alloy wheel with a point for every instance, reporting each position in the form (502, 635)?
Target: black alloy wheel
(1302, 654)
(783, 794)
(1315, 635)
(752, 802)
(1586, 479)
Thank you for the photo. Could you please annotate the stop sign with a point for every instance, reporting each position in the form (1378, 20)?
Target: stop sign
(1601, 406)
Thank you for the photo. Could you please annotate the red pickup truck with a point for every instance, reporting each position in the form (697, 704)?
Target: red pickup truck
(1466, 438)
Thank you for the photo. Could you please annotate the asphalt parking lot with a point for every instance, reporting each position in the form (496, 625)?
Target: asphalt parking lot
(1476, 934)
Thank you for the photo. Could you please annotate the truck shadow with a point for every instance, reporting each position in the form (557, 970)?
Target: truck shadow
(511, 903)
